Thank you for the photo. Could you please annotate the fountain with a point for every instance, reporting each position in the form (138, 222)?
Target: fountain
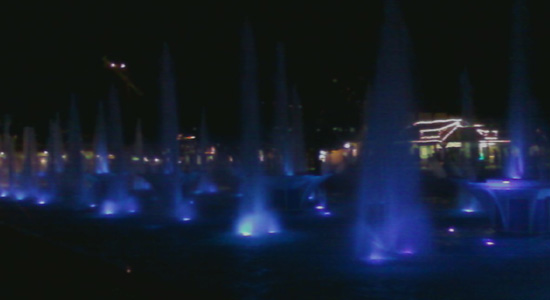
(169, 144)
(518, 203)
(205, 185)
(255, 217)
(118, 198)
(101, 160)
(54, 167)
(9, 152)
(291, 186)
(138, 149)
(281, 130)
(391, 221)
(28, 178)
(74, 183)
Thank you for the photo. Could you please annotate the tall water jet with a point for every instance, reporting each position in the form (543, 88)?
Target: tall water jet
(255, 217)
(55, 147)
(29, 177)
(521, 103)
(77, 191)
(138, 149)
(118, 198)
(518, 204)
(169, 132)
(281, 128)
(55, 158)
(9, 151)
(206, 184)
(297, 134)
(391, 220)
(101, 155)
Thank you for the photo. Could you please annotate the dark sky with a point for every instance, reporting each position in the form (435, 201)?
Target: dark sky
(54, 49)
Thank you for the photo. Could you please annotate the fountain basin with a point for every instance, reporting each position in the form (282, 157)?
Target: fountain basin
(515, 205)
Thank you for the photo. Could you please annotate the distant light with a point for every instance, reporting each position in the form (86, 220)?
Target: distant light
(246, 234)
(46, 152)
(319, 207)
(469, 210)
(111, 156)
(92, 205)
(112, 65)
(506, 181)
(347, 145)
(488, 242)
(132, 211)
(41, 202)
(186, 219)
(122, 66)
(157, 160)
(327, 213)
(451, 229)
(128, 270)
(272, 231)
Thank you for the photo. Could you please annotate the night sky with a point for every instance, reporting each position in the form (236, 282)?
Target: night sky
(52, 50)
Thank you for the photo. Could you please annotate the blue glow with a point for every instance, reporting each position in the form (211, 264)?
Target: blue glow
(186, 219)
(4, 194)
(41, 202)
(109, 208)
(20, 196)
(257, 224)
(93, 205)
(327, 213)
(469, 210)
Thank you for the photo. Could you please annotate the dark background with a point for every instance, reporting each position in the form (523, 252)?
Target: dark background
(54, 49)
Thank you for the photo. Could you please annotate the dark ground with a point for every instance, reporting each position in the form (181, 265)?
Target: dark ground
(50, 253)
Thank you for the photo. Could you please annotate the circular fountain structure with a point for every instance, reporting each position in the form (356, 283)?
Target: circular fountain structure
(515, 205)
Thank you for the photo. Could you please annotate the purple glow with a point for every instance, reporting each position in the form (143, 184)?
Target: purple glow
(93, 205)
(327, 213)
(407, 252)
(451, 229)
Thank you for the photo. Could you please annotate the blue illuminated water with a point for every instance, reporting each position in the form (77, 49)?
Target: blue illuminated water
(391, 221)
(255, 216)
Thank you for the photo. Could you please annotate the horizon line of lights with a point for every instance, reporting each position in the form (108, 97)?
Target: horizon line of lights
(436, 121)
